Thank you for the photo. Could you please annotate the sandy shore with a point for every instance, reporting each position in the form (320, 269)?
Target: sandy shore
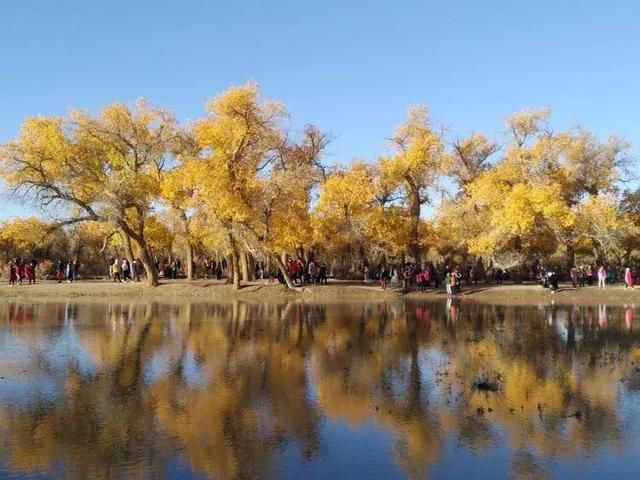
(210, 290)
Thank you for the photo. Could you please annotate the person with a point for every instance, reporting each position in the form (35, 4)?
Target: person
(322, 274)
(69, 272)
(24, 272)
(125, 270)
(602, 276)
(628, 278)
(447, 282)
(611, 276)
(574, 276)
(406, 277)
(13, 273)
(422, 279)
(589, 275)
(111, 260)
(75, 264)
(366, 274)
(457, 280)
(395, 276)
(135, 275)
(32, 270)
(60, 271)
(553, 280)
(115, 271)
(544, 279)
(384, 277)
(292, 270)
(312, 272)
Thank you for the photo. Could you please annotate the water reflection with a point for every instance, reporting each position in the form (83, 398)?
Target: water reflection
(259, 390)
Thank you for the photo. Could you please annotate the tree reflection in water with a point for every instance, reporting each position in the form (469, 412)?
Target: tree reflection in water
(111, 390)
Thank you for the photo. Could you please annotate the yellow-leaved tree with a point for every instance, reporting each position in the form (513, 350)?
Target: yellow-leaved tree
(250, 179)
(601, 225)
(414, 168)
(178, 194)
(106, 167)
(28, 237)
(342, 213)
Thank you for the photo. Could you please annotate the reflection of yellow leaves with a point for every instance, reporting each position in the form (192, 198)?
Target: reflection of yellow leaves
(272, 373)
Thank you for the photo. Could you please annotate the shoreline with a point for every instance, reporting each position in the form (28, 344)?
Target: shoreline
(174, 291)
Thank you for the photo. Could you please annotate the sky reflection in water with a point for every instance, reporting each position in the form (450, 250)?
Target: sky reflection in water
(385, 390)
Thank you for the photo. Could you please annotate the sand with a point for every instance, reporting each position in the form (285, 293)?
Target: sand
(336, 291)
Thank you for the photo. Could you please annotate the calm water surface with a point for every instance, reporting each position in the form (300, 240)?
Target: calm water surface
(382, 390)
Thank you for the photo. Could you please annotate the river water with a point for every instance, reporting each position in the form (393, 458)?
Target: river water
(379, 390)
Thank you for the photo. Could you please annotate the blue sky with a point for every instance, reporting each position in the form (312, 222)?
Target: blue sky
(350, 67)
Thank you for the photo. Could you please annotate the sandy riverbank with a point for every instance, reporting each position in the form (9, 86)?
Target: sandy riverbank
(209, 290)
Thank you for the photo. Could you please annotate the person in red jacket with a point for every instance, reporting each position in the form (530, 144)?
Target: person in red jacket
(13, 273)
(25, 271)
(628, 278)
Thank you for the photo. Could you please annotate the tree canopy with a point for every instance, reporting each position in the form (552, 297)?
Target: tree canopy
(243, 183)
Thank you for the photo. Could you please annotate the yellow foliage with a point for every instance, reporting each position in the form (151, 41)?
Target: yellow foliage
(340, 215)
(527, 123)
(23, 235)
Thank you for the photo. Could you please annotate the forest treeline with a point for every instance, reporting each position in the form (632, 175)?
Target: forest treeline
(242, 184)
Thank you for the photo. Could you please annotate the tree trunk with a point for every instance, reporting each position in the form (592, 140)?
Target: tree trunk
(244, 266)
(235, 262)
(147, 262)
(571, 255)
(251, 265)
(268, 267)
(414, 212)
(283, 270)
(229, 270)
(190, 275)
(128, 250)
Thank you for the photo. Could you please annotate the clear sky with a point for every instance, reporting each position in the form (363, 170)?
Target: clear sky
(349, 66)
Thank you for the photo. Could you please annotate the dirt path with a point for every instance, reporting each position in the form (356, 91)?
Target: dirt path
(337, 291)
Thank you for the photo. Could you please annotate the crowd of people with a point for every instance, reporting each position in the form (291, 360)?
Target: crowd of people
(218, 268)
(309, 272)
(20, 271)
(121, 270)
(587, 275)
(604, 276)
(405, 275)
(67, 270)
(411, 275)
